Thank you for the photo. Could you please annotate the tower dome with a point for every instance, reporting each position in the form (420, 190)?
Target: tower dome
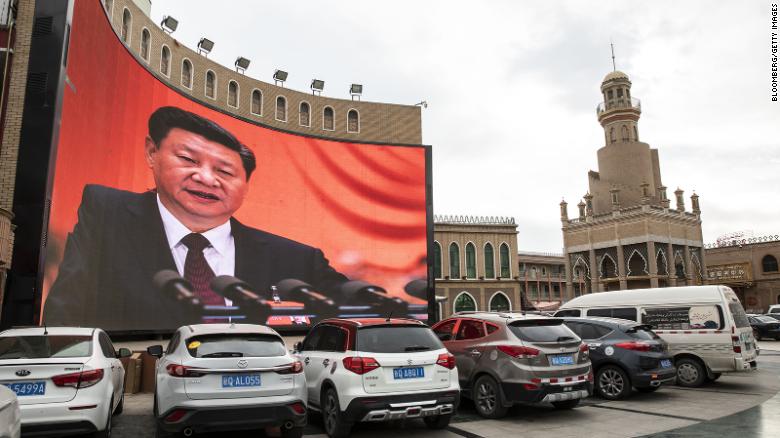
(616, 74)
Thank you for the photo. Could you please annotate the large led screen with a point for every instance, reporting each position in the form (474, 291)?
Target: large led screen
(167, 212)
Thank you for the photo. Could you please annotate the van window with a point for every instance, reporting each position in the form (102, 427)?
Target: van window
(684, 317)
(738, 313)
(571, 312)
(619, 312)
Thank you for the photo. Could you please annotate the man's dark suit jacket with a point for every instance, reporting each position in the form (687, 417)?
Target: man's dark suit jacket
(119, 243)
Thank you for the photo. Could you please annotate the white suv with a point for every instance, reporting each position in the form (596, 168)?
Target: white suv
(67, 380)
(228, 377)
(378, 370)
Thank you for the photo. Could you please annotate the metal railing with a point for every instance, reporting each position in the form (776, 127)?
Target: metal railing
(743, 241)
(473, 220)
(621, 103)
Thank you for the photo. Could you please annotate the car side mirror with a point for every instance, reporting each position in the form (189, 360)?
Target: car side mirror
(123, 352)
(444, 336)
(155, 350)
(298, 346)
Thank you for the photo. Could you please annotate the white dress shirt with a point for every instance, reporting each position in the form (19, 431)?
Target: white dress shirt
(221, 255)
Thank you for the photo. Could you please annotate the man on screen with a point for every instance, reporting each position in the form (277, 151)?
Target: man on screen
(122, 239)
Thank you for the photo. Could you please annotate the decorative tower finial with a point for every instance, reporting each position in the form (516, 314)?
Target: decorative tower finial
(612, 46)
(581, 207)
(564, 211)
(680, 201)
(695, 203)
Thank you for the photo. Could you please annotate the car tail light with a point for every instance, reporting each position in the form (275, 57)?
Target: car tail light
(183, 371)
(530, 387)
(584, 348)
(298, 408)
(83, 379)
(294, 368)
(446, 360)
(518, 351)
(735, 344)
(175, 416)
(360, 365)
(635, 346)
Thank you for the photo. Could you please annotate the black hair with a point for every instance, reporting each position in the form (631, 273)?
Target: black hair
(168, 117)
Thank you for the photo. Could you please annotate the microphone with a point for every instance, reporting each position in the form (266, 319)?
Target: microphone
(297, 290)
(417, 288)
(237, 290)
(170, 282)
(357, 290)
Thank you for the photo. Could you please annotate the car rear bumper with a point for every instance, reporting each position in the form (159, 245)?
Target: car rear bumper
(545, 392)
(58, 429)
(649, 379)
(402, 406)
(204, 419)
(60, 419)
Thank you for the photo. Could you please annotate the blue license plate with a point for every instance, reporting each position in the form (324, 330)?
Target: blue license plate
(666, 363)
(27, 388)
(562, 360)
(408, 373)
(240, 381)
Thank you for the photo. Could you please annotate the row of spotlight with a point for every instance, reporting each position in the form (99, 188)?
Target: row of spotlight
(205, 46)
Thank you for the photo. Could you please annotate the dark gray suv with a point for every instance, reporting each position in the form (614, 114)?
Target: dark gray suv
(624, 354)
(507, 358)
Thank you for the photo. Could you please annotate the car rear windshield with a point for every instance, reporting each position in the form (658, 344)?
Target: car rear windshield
(43, 347)
(767, 319)
(396, 339)
(642, 332)
(542, 330)
(235, 345)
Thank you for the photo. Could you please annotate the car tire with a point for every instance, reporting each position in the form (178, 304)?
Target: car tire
(566, 404)
(293, 432)
(487, 398)
(106, 432)
(437, 422)
(336, 426)
(648, 389)
(690, 372)
(612, 383)
(121, 406)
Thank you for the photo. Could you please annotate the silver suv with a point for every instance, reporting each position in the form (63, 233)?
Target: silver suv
(506, 358)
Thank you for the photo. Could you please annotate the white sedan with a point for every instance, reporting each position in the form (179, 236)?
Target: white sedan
(67, 380)
(10, 418)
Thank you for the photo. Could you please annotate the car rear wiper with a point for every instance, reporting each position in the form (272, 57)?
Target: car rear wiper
(417, 348)
(224, 354)
(564, 338)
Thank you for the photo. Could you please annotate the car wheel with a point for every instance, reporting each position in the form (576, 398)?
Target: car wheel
(612, 383)
(293, 432)
(438, 421)
(757, 334)
(335, 424)
(690, 373)
(106, 432)
(649, 389)
(121, 406)
(487, 398)
(567, 404)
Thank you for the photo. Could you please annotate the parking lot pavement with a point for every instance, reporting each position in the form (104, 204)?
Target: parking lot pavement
(733, 398)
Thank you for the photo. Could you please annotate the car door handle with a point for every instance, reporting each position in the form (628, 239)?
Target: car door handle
(325, 362)
(476, 353)
(306, 361)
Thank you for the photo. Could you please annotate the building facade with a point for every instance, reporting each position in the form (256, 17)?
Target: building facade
(625, 235)
(475, 264)
(750, 267)
(542, 278)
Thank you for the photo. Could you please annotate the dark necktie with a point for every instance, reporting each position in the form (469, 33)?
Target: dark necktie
(197, 271)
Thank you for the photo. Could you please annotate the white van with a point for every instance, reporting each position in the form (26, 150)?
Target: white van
(706, 327)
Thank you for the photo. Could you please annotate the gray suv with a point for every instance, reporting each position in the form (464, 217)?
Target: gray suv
(508, 358)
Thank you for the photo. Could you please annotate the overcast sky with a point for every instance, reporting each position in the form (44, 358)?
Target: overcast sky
(512, 89)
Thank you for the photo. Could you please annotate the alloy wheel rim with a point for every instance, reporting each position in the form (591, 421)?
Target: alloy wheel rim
(687, 373)
(611, 383)
(486, 398)
(330, 413)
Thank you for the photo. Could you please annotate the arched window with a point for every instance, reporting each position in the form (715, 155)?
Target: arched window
(165, 61)
(145, 39)
(304, 119)
(257, 102)
(353, 121)
(186, 73)
(612, 135)
(608, 267)
(471, 260)
(500, 303)
(490, 271)
(504, 260)
(637, 265)
(233, 94)
(679, 265)
(127, 21)
(624, 133)
(211, 84)
(769, 263)
(660, 263)
(436, 260)
(328, 123)
(454, 260)
(281, 109)
(464, 302)
(636, 134)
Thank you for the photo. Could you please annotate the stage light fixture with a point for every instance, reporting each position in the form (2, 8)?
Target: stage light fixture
(356, 90)
(279, 77)
(169, 24)
(205, 46)
(317, 86)
(242, 64)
